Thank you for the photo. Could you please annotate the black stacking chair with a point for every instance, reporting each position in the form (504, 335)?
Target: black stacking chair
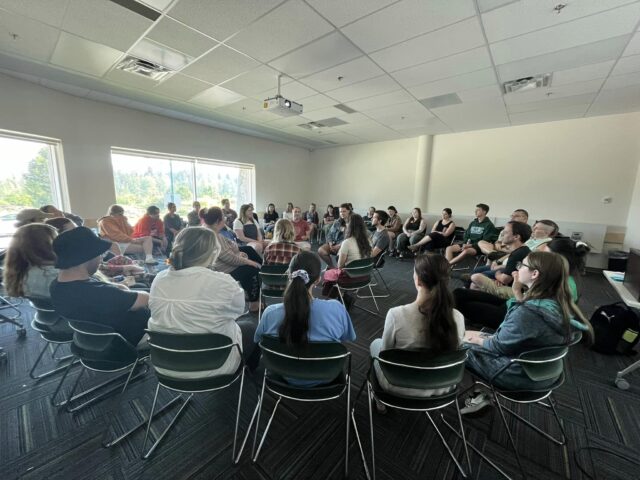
(273, 281)
(54, 330)
(416, 369)
(100, 349)
(378, 279)
(173, 354)
(327, 362)
(539, 365)
(359, 273)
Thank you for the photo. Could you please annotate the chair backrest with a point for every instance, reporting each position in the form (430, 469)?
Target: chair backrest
(422, 369)
(458, 234)
(379, 260)
(314, 361)
(100, 347)
(359, 268)
(189, 352)
(45, 312)
(543, 364)
(274, 275)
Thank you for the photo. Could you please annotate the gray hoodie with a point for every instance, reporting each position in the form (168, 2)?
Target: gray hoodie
(527, 326)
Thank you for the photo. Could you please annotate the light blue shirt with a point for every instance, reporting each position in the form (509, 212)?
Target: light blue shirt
(328, 322)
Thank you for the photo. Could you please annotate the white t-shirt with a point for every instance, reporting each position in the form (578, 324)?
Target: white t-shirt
(349, 248)
(404, 328)
(198, 300)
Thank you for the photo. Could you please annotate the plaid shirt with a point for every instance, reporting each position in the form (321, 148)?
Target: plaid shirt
(280, 253)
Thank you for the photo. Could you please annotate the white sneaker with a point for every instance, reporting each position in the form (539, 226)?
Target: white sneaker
(476, 403)
(149, 260)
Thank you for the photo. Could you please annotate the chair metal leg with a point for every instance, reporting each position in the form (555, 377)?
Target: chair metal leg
(166, 430)
(357, 434)
(446, 445)
(511, 440)
(50, 372)
(563, 438)
(346, 448)
(129, 378)
(55, 394)
(373, 449)
(266, 430)
(464, 438)
(260, 398)
(235, 432)
(260, 305)
(246, 436)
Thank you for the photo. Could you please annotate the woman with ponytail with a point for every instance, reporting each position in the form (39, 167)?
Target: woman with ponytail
(301, 318)
(189, 297)
(430, 322)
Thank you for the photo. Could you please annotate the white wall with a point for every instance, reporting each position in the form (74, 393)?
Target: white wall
(632, 237)
(378, 174)
(559, 170)
(88, 129)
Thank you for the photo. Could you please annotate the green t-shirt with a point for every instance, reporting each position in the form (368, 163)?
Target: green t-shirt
(480, 231)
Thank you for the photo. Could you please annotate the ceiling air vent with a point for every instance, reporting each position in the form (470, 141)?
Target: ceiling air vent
(441, 100)
(527, 83)
(332, 122)
(344, 108)
(312, 125)
(143, 67)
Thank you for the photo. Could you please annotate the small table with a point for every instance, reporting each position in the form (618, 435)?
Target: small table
(616, 281)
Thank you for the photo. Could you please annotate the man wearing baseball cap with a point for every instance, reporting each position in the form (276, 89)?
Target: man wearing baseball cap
(78, 296)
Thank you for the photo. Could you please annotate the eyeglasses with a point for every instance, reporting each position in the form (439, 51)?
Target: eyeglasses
(519, 265)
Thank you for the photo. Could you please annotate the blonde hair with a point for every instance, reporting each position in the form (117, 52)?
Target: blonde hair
(194, 246)
(284, 231)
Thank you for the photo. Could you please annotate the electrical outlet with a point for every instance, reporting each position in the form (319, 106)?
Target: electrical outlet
(576, 236)
(606, 200)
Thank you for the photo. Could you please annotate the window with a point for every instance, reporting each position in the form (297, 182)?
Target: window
(29, 177)
(143, 179)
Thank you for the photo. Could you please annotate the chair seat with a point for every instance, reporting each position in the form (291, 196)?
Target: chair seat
(108, 364)
(273, 292)
(280, 386)
(54, 337)
(194, 385)
(530, 395)
(411, 403)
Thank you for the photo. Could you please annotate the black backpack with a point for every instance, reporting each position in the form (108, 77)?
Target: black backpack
(615, 328)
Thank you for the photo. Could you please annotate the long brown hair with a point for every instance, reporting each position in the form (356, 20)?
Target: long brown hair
(294, 329)
(552, 283)
(31, 246)
(441, 330)
(358, 230)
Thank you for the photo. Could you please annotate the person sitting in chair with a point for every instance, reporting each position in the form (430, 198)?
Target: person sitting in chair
(335, 236)
(481, 228)
(150, 225)
(115, 227)
(76, 295)
(519, 215)
(440, 235)
(55, 212)
(283, 247)
(301, 319)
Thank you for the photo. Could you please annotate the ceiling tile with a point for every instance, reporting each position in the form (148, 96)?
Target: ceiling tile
(256, 81)
(316, 102)
(341, 12)
(591, 29)
(456, 38)
(488, 113)
(367, 88)
(397, 111)
(84, 56)
(476, 59)
(243, 107)
(160, 54)
(578, 74)
(486, 5)
(621, 81)
(322, 113)
(219, 65)
(205, 15)
(552, 103)
(283, 122)
(628, 64)
(480, 78)
(181, 87)
(391, 98)
(324, 53)
(159, 5)
(179, 37)
(538, 116)
(130, 79)
(291, 90)
(526, 16)
(634, 46)
(435, 127)
(564, 59)
(105, 22)
(616, 101)
(481, 93)
(351, 72)
(406, 19)
(50, 12)
(287, 27)
(216, 97)
(34, 39)
(411, 123)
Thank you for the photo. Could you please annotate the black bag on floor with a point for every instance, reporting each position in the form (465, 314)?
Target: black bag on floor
(615, 328)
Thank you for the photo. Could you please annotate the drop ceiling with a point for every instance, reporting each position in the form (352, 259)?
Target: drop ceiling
(405, 68)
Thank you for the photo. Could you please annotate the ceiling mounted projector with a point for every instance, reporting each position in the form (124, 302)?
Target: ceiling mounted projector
(282, 106)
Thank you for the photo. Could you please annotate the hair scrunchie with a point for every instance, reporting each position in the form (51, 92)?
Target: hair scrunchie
(300, 274)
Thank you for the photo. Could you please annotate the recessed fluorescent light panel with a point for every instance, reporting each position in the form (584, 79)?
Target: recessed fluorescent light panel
(157, 53)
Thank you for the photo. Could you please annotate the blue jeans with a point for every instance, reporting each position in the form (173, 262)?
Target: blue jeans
(486, 271)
